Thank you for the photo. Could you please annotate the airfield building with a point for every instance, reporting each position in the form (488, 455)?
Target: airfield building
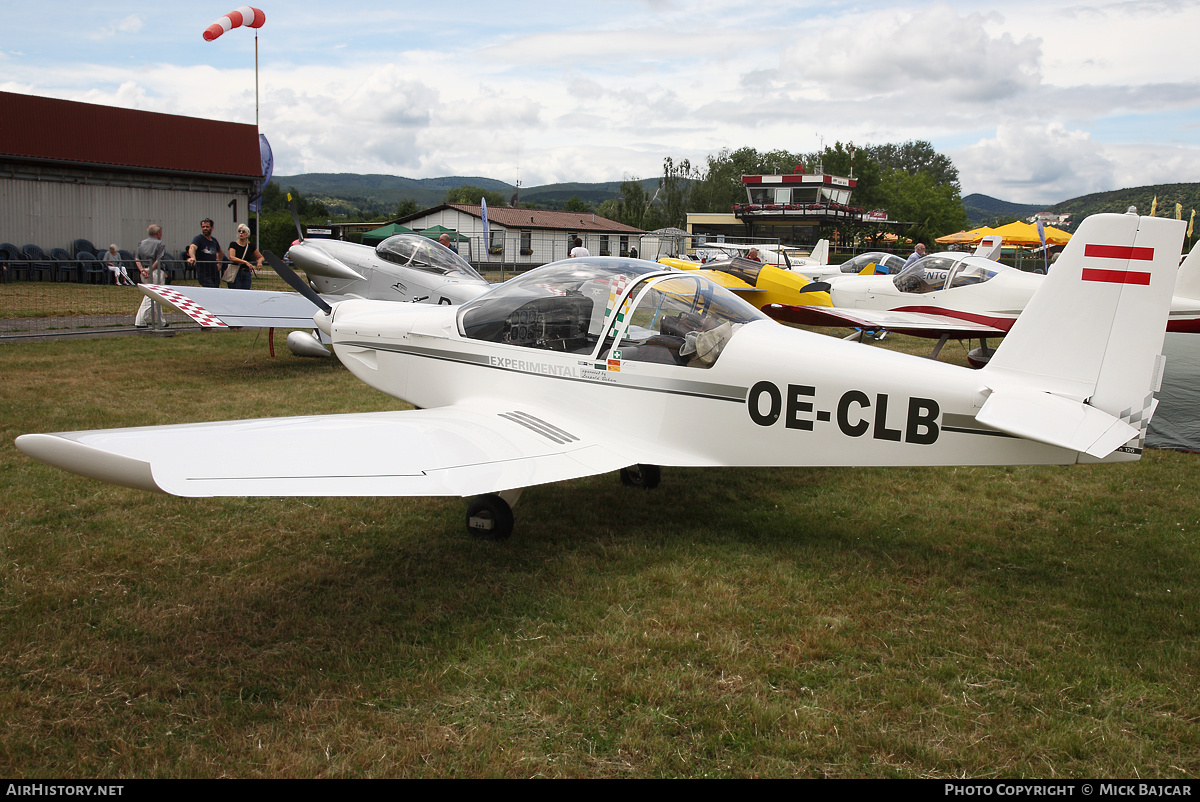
(525, 237)
(73, 171)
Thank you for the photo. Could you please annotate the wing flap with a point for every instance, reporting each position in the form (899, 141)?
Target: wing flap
(452, 451)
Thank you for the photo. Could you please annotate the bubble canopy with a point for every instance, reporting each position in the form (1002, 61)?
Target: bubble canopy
(422, 253)
(590, 305)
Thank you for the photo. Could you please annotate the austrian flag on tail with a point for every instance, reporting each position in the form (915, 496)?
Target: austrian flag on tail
(1120, 252)
(243, 16)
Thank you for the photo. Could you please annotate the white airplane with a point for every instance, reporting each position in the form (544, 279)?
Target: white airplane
(956, 296)
(877, 263)
(601, 364)
(777, 255)
(406, 268)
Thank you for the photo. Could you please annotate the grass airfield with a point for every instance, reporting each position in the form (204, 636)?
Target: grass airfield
(979, 622)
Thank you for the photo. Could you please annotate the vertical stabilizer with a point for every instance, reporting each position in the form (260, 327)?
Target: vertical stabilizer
(820, 254)
(1094, 330)
(989, 247)
(1187, 285)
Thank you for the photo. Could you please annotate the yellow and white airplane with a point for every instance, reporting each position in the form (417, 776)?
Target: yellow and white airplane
(602, 364)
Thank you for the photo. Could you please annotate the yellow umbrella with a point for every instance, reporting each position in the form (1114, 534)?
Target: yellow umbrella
(1020, 233)
(966, 237)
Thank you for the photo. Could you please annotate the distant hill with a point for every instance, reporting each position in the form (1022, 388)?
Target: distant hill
(983, 210)
(366, 196)
(1119, 200)
(370, 195)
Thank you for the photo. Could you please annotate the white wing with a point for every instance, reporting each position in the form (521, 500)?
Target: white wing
(461, 450)
(217, 307)
(920, 324)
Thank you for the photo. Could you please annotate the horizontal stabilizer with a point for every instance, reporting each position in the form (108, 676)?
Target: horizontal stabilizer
(217, 307)
(1056, 421)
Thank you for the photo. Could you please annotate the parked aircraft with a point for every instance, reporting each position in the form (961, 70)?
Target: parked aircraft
(777, 255)
(957, 296)
(407, 268)
(760, 284)
(601, 364)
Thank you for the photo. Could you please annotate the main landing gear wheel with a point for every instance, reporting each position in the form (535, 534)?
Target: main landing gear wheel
(646, 477)
(490, 518)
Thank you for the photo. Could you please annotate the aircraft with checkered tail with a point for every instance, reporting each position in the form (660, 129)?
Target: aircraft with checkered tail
(405, 268)
(607, 364)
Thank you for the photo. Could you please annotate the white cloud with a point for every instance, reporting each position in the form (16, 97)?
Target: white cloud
(1035, 164)
(1079, 94)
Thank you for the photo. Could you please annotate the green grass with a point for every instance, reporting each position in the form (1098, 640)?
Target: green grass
(978, 622)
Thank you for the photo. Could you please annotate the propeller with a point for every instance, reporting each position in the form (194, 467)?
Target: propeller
(296, 283)
(786, 260)
(816, 286)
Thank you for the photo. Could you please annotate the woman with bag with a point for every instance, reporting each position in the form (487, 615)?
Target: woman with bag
(237, 273)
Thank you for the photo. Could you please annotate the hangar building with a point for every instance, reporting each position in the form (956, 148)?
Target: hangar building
(73, 170)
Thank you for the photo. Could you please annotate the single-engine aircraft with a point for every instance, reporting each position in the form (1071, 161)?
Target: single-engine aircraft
(406, 268)
(957, 296)
(760, 284)
(777, 255)
(601, 364)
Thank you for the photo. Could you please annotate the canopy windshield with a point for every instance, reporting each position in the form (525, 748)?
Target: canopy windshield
(414, 250)
(884, 263)
(584, 305)
(927, 274)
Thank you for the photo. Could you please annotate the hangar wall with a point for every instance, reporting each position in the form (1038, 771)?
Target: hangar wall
(51, 206)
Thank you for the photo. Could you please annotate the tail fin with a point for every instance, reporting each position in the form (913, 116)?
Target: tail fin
(989, 247)
(1187, 285)
(1094, 331)
(820, 254)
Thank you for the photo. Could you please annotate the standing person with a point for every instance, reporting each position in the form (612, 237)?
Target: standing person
(112, 260)
(205, 254)
(579, 250)
(148, 259)
(917, 253)
(241, 251)
(445, 240)
(633, 253)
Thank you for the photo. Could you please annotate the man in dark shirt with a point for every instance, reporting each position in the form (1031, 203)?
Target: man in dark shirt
(205, 254)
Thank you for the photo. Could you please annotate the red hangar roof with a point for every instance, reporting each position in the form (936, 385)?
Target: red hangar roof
(42, 129)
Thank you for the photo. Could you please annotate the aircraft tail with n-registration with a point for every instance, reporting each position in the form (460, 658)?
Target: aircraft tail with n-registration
(1080, 366)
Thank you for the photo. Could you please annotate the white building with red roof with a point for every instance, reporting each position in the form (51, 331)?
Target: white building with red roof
(527, 237)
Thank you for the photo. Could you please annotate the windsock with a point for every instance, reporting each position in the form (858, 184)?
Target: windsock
(250, 17)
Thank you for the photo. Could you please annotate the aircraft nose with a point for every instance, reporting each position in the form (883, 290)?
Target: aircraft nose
(324, 322)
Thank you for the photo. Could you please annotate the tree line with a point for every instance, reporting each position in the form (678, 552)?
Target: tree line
(910, 180)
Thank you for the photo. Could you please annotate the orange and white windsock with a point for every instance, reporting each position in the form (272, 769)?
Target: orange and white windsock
(247, 16)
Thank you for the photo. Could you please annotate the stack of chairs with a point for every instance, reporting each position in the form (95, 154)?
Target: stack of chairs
(64, 264)
(14, 262)
(39, 262)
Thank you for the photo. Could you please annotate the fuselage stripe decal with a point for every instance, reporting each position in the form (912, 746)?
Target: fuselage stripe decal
(988, 432)
(481, 362)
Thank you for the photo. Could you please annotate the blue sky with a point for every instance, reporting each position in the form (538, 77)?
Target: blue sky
(1034, 102)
